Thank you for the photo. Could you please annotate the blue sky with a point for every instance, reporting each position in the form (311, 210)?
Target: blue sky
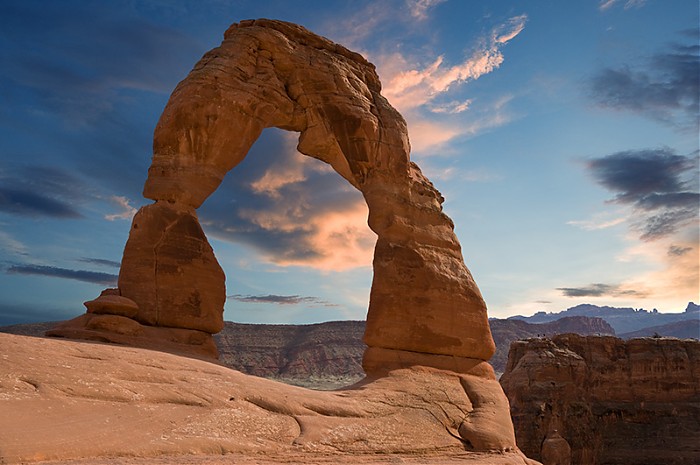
(563, 135)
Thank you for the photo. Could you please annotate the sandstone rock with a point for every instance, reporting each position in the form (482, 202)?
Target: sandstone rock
(112, 304)
(555, 450)
(66, 400)
(126, 331)
(614, 401)
(170, 271)
(274, 74)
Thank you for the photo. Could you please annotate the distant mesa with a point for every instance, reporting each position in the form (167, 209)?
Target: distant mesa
(425, 308)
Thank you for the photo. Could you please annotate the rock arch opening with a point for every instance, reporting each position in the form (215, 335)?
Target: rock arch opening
(425, 307)
(301, 231)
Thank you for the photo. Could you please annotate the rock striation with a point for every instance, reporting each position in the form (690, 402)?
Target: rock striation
(425, 307)
(612, 401)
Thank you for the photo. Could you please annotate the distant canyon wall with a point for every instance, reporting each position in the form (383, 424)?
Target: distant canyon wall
(634, 402)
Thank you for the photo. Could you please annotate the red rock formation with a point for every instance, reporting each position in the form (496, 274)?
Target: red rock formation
(425, 307)
(633, 402)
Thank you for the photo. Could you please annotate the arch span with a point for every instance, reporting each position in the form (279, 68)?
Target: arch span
(424, 304)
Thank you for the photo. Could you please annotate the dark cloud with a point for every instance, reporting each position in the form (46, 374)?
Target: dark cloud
(281, 300)
(659, 184)
(23, 202)
(600, 290)
(41, 191)
(55, 272)
(678, 251)
(101, 261)
(667, 89)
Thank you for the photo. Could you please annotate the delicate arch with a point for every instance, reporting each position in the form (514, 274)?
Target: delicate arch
(424, 305)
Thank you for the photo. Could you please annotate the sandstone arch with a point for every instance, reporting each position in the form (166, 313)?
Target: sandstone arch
(424, 307)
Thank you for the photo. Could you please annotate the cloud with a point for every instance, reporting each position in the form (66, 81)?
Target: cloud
(422, 93)
(601, 290)
(419, 8)
(55, 272)
(282, 300)
(605, 5)
(32, 190)
(599, 221)
(656, 183)
(27, 203)
(665, 89)
(101, 261)
(413, 87)
(127, 212)
(12, 245)
(311, 218)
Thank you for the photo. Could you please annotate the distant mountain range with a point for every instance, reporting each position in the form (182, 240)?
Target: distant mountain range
(329, 355)
(625, 320)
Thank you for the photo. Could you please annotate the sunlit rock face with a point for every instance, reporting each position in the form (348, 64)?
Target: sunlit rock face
(609, 401)
(425, 307)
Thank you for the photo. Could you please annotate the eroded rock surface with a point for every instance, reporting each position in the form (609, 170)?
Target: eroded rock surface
(633, 402)
(423, 302)
(65, 400)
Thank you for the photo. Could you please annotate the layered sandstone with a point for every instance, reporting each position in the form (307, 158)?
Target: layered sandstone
(425, 307)
(67, 400)
(633, 402)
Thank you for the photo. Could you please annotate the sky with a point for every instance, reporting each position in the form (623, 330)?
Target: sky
(563, 135)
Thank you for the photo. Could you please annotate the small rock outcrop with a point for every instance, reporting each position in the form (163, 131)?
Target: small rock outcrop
(425, 307)
(633, 402)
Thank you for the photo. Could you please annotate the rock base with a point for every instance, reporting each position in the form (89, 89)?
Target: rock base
(125, 331)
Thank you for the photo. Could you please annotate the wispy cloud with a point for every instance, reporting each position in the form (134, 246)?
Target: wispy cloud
(413, 87)
(127, 211)
(421, 93)
(599, 221)
(12, 245)
(55, 272)
(605, 5)
(666, 88)
(419, 8)
(282, 300)
(101, 261)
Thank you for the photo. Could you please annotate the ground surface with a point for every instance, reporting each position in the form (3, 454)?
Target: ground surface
(89, 403)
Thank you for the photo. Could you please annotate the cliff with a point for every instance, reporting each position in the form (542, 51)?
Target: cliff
(633, 402)
(506, 331)
(320, 355)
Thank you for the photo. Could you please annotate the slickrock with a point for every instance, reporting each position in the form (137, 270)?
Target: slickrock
(423, 301)
(633, 402)
(66, 400)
